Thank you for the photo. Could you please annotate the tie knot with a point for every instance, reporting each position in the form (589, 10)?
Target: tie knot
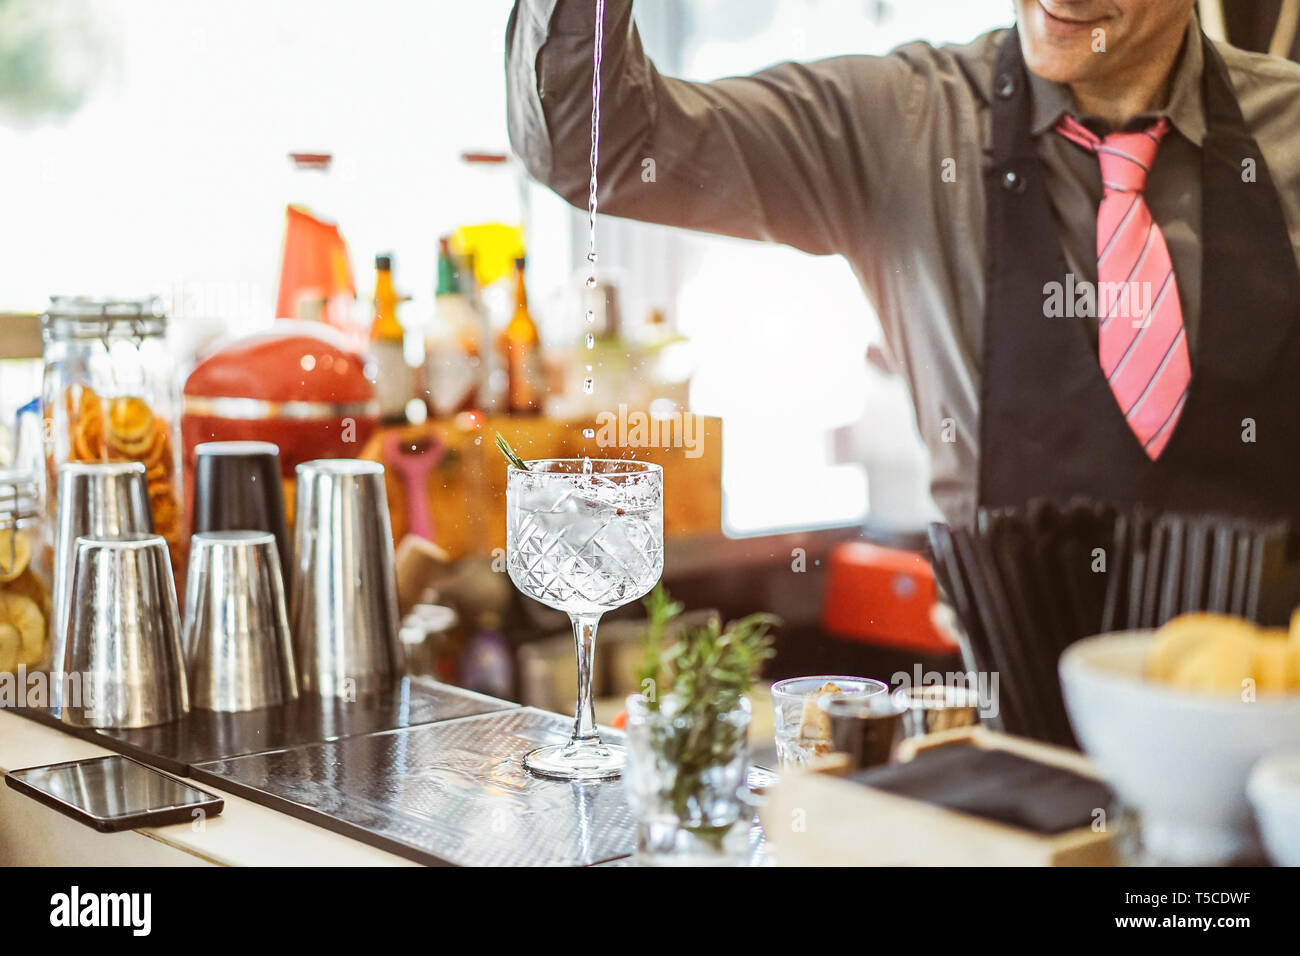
(1125, 157)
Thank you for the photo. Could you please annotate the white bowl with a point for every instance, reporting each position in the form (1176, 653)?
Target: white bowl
(1180, 758)
(1274, 791)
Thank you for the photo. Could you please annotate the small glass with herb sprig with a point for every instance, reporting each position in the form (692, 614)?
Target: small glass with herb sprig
(688, 737)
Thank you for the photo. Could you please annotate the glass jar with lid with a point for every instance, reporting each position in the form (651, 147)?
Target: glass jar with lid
(110, 394)
(24, 575)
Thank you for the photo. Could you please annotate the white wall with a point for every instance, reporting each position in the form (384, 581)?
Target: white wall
(173, 177)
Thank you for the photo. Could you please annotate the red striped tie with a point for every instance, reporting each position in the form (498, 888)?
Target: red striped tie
(1142, 342)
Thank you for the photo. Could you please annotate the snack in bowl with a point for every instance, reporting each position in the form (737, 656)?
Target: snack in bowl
(1167, 720)
(1214, 652)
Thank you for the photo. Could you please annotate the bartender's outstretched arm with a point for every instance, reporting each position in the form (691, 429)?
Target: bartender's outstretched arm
(792, 154)
(797, 153)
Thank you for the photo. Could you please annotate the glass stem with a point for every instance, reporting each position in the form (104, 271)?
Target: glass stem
(584, 644)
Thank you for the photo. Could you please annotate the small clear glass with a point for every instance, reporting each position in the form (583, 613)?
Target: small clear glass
(688, 812)
(801, 725)
(584, 536)
(933, 708)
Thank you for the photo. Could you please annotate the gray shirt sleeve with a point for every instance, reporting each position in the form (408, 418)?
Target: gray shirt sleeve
(802, 154)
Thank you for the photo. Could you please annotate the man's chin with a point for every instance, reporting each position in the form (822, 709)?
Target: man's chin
(1055, 62)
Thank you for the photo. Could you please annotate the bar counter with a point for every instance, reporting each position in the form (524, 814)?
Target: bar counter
(453, 791)
(244, 834)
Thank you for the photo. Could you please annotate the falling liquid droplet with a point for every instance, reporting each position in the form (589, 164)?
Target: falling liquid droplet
(591, 282)
(591, 316)
(586, 466)
(589, 433)
(588, 368)
(591, 341)
(588, 384)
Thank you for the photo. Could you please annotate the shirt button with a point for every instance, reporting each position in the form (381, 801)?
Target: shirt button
(1013, 182)
(1005, 86)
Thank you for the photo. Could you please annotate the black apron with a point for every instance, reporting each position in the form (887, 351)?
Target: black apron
(1049, 424)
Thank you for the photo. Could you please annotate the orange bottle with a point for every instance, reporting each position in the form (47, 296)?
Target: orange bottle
(393, 380)
(522, 351)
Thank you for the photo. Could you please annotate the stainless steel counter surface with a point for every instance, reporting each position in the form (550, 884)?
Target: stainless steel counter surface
(452, 792)
(203, 736)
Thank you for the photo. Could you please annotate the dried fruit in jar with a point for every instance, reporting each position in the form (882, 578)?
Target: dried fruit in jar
(24, 603)
(126, 428)
(21, 613)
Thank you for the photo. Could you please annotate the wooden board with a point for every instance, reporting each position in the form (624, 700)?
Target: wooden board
(814, 818)
(466, 492)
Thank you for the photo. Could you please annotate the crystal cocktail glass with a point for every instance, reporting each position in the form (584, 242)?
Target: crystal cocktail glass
(584, 536)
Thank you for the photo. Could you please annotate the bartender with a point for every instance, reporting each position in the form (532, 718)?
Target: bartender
(1079, 233)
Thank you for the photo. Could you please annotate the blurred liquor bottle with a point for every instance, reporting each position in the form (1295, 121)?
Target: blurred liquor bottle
(393, 384)
(521, 349)
(492, 366)
(316, 281)
(454, 342)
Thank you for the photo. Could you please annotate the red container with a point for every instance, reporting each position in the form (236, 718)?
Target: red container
(881, 596)
(297, 385)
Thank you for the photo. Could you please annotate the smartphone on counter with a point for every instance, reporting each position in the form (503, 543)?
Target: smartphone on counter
(114, 793)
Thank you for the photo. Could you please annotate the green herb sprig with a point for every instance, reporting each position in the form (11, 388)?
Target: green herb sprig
(504, 447)
(661, 610)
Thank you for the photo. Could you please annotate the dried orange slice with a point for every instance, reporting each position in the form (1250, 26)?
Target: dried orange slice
(89, 407)
(163, 503)
(133, 448)
(15, 553)
(87, 445)
(160, 452)
(22, 614)
(130, 419)
(29, 584)
(11, 648)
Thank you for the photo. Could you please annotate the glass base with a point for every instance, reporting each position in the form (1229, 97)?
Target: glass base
(592, 760)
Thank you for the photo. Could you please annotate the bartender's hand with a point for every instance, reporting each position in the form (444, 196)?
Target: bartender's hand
(793, 154)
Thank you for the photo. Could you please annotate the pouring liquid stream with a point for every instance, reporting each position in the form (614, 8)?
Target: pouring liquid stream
(589, 383)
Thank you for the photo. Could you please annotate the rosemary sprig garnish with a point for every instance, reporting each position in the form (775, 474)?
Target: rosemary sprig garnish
(504, 447)
(660, 612)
